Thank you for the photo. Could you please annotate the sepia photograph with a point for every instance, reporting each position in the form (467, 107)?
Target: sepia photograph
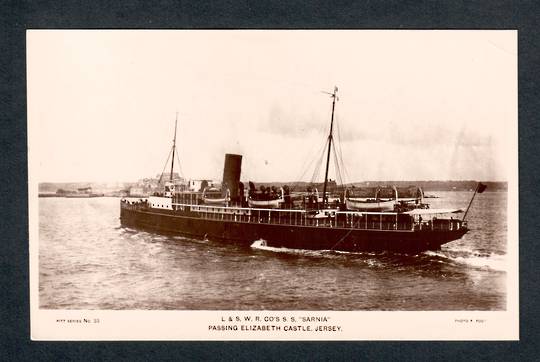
(273, 184)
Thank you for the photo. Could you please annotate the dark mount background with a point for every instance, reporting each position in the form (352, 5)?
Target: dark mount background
(17, 16)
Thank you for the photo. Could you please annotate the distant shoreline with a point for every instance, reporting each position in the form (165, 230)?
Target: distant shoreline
(430, 188)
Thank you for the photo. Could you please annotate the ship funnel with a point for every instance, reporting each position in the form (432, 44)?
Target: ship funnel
(231, 174)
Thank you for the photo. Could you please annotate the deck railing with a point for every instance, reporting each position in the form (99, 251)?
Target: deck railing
(293, 217)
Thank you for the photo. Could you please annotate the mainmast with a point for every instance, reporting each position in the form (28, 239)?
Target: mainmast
(334, 96)
(173, 148)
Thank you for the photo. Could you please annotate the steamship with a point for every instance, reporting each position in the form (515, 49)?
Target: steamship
(309, 220)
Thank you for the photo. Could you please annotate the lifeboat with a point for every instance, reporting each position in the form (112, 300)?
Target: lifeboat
(376, 203)
(266, 201)
(216, 201)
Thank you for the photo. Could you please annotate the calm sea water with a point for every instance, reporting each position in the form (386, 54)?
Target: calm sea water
(87, 261)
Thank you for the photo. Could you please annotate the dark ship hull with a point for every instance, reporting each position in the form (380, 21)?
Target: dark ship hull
(288, 236)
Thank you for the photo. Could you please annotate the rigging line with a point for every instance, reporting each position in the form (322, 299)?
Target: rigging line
(164, 167)
(343, 166)
(309, 165)
(336, 162)
(345, 170)
(342, 170)
(319, 164)
(306, 168)
(312, 159)
(344, 236)
(316, 171)
(337, 166)
(179, 164)
(339, 146)
(176, 149)
(325, 128)
(339, 172)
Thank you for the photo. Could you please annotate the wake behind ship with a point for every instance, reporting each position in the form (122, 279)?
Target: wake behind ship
(391, 222)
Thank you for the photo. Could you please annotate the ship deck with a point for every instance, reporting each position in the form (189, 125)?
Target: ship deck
(325, 218)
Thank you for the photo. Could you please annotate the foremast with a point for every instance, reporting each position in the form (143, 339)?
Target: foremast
(169, 185)
(173, 147)
(330, 138)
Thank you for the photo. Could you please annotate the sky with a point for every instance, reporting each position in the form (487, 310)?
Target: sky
(413, 105)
